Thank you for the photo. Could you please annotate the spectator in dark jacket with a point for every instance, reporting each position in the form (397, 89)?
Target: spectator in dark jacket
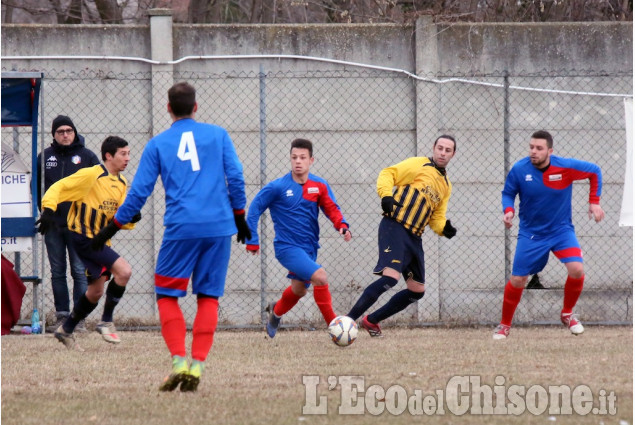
(64, 157)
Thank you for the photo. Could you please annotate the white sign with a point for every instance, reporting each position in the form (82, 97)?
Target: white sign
(16, 185)
(16, 196)
(626, 215)
(17, 244)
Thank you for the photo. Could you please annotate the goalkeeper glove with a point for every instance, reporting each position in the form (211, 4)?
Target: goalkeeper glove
(46, 221)
(449, 231)
(387, 204)
(243, 230)
(104, 235)
(136, 218)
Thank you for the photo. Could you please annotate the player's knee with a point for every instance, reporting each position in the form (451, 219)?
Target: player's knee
(299, 292)
(575, 270)
(518, 281)
(319, 278)
(122, 274)
(94, 292)
(392, 273)
(415, 286)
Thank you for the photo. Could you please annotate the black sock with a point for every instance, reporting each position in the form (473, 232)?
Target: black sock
(398, 302)
(114, 292)
(81, 310)
(370, 295)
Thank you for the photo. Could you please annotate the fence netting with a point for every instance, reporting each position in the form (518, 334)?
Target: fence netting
(361, 122)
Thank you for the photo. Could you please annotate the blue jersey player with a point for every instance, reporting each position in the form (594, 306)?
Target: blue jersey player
(543, 183)
(294, 201)
(205, 205)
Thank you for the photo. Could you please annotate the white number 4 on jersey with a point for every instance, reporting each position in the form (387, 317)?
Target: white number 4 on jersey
(187, 150)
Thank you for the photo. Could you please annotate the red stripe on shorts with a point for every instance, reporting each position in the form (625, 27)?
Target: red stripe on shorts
(179, 283)
(569, 252)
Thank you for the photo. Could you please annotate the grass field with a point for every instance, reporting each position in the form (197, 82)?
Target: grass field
(251, 379)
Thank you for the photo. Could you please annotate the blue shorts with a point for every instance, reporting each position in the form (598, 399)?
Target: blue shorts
(97, 263)
(205, 260)
(400, 250)
(532, 253)
(300, 263)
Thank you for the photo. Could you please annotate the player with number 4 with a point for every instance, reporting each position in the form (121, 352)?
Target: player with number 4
(205, 205)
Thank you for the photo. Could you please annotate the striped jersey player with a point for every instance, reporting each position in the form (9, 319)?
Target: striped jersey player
(414, 194)
(294, 201)
(543, 183)
(96, 193)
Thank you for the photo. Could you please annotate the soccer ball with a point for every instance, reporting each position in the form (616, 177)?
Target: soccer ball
(343, 331)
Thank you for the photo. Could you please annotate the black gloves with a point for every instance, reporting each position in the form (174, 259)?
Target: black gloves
(104, 235)
(46, 221)
(243, 230)
(449, 231)
(387, 204)
(136, 218)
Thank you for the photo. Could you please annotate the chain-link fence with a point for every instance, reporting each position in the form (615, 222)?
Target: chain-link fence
(361, 122)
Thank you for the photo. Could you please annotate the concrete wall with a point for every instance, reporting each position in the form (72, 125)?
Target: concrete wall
(362, 123)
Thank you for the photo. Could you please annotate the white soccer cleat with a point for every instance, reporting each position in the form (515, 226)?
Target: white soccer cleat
(571, 321)
(501, 331)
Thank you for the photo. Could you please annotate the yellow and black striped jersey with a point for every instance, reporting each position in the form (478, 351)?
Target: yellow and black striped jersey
(95, 195)
(422, 189)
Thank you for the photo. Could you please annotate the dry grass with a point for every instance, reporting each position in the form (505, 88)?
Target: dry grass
(254, 380)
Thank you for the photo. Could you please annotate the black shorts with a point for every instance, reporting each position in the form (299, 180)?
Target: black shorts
(400, 250)
(97, 263)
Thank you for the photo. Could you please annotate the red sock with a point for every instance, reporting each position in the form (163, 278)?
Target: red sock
(172, 325)
(286, 302)
(322, 297)
(572, 290)
(511, 298)
(204, 327)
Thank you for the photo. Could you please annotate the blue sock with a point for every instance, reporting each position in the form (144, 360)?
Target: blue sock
(370, 295)
(398, 302)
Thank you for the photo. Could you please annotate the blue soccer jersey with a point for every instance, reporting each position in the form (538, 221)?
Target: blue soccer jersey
(202, 177)
(545, 196)
(294, 210)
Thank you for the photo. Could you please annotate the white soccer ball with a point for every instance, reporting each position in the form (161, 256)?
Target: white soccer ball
(343, 331)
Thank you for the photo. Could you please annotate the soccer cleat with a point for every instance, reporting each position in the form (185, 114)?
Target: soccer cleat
(374, 330)
(501, 331)
(193, 377)
(273, 322)
(108, 332)
(67, 339)
(179, 374)
(81, 326)
(571, 321)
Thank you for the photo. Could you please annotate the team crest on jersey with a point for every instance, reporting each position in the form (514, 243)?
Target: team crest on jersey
(76, 159)
(528, 178)
(313, 190)
(289, 192)
(555, 177)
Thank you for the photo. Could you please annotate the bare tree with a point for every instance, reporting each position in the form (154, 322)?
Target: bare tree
(317, 11)
(109, 11)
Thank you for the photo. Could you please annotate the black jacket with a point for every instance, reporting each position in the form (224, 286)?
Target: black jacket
(62, 161)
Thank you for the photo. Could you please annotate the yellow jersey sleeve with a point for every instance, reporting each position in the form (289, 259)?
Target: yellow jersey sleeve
(72, 188)
(399, 174)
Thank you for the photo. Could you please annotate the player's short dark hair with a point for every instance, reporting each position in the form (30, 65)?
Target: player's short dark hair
(544, 134)
(111, 144)
(445, 136)
(182, 98)
(302, 144)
